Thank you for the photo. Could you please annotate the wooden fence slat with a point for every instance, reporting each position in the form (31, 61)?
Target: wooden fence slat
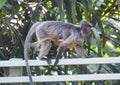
(82, 77)
(72, 61)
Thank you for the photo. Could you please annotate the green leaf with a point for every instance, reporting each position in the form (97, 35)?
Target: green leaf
(61, 10)
(112, 23)
(97, 36)
(73, 10)
(2, 2)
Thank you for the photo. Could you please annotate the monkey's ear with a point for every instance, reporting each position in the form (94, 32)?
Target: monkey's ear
(84, 24)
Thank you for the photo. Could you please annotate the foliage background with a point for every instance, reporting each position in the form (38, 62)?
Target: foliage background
(17, 16)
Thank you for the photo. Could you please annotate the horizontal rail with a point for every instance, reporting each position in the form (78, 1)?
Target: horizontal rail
(72, 61)
(56, 78)
(82, 77)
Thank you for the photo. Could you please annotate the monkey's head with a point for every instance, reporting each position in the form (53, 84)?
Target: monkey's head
(86, 27)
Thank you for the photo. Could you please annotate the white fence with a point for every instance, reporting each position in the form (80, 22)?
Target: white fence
(75, 61)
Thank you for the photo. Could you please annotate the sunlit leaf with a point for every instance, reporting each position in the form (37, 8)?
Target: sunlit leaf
(96, 8)
(118, 48)
(112, 23)
(73, 10)
(97, 36)
(107, 14)
(106, 55)
(49, 4)
(83, 17)
(2, 2)
(102, 18)
(4, 33)
(112, 0)
(109, 4)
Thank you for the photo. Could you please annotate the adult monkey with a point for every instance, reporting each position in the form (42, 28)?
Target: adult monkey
(66, 35)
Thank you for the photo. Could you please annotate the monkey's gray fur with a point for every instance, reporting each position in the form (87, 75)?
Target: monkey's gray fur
(56, 30)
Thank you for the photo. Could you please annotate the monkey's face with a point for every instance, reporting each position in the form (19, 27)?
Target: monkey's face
(87, 29)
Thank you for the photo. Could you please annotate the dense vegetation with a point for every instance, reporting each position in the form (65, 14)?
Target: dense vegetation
(17, 16)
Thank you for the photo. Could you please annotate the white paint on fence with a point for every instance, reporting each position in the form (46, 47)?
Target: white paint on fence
(72, 61)
(82, 77)
(75, 61)
(15, 71)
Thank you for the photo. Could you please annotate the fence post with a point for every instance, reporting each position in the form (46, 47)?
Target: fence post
(15, 71)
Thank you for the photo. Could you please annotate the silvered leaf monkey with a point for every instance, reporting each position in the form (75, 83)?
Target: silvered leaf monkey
(65, 35)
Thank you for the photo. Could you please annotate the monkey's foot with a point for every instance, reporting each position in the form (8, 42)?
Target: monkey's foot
(56, 62)
(86, 56)
(48, 60)
(31, 50)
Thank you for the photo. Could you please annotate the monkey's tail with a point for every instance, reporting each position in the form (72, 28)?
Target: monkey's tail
(31, 31)
(26, 45)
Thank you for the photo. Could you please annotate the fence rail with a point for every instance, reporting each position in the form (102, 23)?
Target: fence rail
(83, 77)
(75, 61)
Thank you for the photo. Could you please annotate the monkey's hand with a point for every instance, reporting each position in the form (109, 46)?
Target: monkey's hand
(47, 59)
(56, 62)
(31, 50)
